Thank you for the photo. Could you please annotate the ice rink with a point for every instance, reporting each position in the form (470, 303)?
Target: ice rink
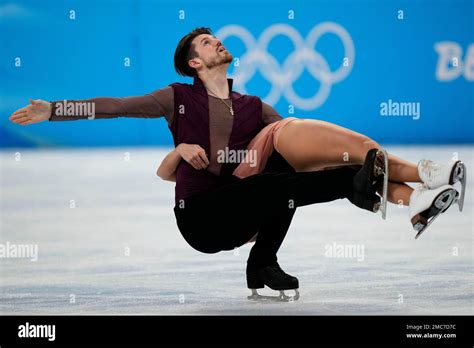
(108, 244)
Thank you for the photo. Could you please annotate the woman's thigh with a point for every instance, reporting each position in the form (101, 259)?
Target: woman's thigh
(310, 145)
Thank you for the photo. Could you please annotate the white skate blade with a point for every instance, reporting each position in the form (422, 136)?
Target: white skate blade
(460, 174)
(439, 204)
(383, 204)
(280, 298)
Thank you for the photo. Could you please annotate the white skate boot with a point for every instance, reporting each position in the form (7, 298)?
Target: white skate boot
(435, 175)
(426, 205)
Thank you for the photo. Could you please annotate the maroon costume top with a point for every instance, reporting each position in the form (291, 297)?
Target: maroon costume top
(194, 118)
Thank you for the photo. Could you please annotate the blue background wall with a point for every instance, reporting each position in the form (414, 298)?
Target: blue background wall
(84, 58)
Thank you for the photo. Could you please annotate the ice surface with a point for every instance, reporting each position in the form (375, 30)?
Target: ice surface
(121, 206)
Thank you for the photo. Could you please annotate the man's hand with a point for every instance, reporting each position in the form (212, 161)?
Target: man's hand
(38, 110)
(194, 155)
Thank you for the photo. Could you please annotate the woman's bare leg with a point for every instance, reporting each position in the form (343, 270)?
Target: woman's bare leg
(401, 170)
(398, 193)
(310, 145)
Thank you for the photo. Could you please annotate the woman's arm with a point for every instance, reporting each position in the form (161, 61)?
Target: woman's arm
(191, 153)
(167, 168)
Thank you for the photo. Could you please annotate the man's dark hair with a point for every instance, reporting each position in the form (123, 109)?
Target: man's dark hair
(185, 51)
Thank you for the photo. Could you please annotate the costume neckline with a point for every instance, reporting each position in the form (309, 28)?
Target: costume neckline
(198, 82)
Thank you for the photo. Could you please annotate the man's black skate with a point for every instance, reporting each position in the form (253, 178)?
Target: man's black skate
(273, 277)
(372, 176)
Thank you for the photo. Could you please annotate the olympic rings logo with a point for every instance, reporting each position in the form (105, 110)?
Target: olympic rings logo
(282, 76)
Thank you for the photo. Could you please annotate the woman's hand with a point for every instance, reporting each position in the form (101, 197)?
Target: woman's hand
(38, 110)
(194, 155)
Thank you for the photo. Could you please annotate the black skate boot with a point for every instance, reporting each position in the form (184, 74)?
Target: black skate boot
(273, 277)
(372, 176)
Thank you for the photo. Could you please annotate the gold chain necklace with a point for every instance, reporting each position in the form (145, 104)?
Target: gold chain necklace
(231, 110)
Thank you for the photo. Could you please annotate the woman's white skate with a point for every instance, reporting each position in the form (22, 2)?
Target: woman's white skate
(435, 175)
(426, 205)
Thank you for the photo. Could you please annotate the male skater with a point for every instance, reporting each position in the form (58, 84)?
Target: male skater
(214, 210)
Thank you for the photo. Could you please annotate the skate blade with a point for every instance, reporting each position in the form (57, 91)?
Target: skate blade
(280, 298)
(439, 206)
(459, 174)
(381, 168)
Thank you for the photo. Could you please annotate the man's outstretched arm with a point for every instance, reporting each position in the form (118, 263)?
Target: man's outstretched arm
(157, 104)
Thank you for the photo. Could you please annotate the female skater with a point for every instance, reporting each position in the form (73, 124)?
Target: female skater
(312, 145)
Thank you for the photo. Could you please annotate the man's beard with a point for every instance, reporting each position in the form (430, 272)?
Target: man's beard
(221, 59)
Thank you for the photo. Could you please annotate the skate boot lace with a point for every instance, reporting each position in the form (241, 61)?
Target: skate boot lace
(431, 169)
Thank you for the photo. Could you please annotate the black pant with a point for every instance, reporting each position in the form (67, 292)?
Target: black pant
(231, 215)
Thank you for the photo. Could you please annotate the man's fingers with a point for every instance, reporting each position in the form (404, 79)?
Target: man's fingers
(203, 159)
(17, 116)
(203, 156)
(195, 164)
(201, 163)
(192, 162)
(20, 111)
(25, 123)
(21, 119)
(196, 156)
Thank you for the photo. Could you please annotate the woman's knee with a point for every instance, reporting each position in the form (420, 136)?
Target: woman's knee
(360, 146)
(369, 144)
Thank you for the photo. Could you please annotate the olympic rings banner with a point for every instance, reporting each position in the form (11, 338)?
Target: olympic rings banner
(400, 72)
